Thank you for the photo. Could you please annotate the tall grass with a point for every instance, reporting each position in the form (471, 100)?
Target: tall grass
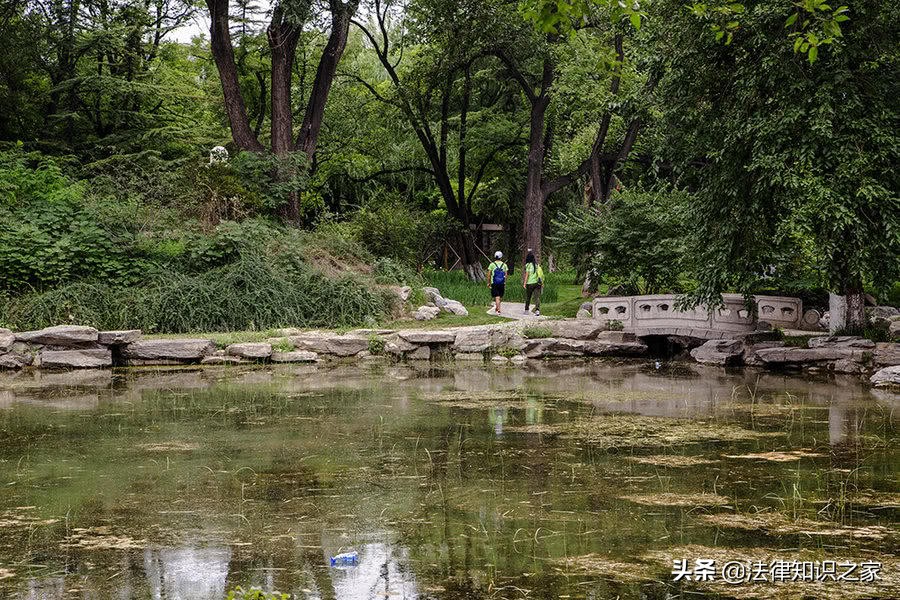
(455, 285)
(251, 293)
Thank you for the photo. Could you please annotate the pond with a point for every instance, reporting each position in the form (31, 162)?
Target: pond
(560, 480)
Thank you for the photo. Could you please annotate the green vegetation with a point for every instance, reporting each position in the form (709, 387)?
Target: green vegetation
(455, 285)
(639, 148)
(254, 593)
(534, 333)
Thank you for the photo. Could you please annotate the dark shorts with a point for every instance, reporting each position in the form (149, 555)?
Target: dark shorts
(497, 289)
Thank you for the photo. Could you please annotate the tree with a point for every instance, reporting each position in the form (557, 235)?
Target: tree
(283, 34)
(439, 88)
(789, 147)
(558, 23)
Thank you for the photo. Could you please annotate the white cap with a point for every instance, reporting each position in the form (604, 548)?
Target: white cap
(498, 254)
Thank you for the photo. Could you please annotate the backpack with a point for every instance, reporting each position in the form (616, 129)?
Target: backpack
(499, 274)
(540, 275)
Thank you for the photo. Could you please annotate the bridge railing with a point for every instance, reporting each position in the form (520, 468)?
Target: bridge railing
(658, 314)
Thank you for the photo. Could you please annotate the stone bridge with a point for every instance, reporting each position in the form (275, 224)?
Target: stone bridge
(658, 315)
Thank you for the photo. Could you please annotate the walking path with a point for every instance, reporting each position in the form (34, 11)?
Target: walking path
(516, 311)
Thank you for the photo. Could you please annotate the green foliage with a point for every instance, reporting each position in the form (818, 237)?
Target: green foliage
(283, 345)
(273, 178)
(254, 593)
(249, 294)
(811, 23)
(456, 286)
(800, 157)
(564, 16)
(638, 242)
(389, 271)
(49, 233)
(507, 352)
(376, 345)
(614, 325)
(536, 332)
(399, 232)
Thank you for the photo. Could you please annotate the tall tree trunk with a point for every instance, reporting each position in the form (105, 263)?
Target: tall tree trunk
(341, 14)
(223, 54)
(283, 37)
(533, 221)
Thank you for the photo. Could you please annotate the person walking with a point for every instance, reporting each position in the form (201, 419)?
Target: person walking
(533, 282)
(497, 271)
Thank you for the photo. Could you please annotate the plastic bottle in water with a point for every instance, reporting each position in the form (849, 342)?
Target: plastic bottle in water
(345, 559)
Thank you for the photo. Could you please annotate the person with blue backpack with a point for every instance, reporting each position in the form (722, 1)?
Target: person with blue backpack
(497, 271)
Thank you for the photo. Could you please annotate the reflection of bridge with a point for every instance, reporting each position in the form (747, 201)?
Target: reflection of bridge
(658, 315)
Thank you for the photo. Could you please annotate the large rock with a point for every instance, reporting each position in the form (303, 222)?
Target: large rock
(424, 336)
(347, 345)
(60, 335)
(433, 296)
(455, 307)
(894, 329)
(609, 348)
(7, 339)
(15, 360)
(396, 345)
(616, 337)
(76, 359)
(184, 350)
(583, 314)
(296, 356)
(469, 356)
(402, 292)
(250, 350)
(330, 343)
(887, 377)
(426, 313)
(887, 354)
(751, 356)
(475, 339)
(840, 341)
(719, 352)
(118, 338)
(574, 329)
(841, 359)
(420, 353)
(553, 347)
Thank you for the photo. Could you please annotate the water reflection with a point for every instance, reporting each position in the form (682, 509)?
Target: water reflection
(187, 573)
(203, 480)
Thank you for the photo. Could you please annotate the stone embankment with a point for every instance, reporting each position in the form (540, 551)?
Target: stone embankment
(79, 347)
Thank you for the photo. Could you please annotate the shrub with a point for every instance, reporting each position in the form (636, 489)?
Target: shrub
(507, 352)
(48, 234)
(389, 271)
(376, 345)
(535, 333)
(637, 243)
(254, 593)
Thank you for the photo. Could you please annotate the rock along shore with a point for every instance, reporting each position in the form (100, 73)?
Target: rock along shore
(80, 347)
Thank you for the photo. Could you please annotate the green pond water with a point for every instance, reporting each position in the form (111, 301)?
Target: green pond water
(578, 480)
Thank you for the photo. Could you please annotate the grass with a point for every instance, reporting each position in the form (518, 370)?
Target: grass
(535, 333)
(252, 294)
(455, 285)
